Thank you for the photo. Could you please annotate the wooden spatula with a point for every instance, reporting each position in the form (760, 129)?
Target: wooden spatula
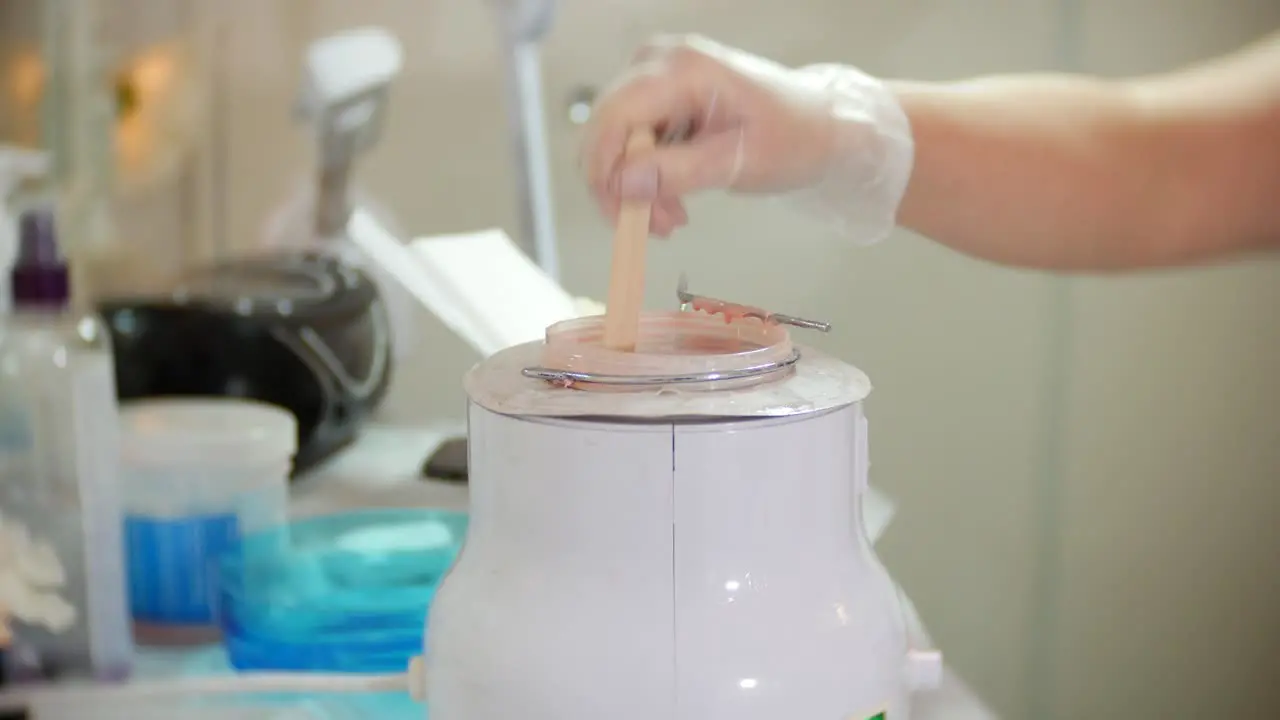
(626, 278)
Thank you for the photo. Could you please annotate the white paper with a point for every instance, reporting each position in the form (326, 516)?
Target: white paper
(498, 297)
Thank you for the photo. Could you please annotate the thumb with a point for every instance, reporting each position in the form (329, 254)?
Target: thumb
(709, 162)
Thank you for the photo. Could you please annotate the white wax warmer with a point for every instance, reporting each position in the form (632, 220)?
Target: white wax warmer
(670, 534)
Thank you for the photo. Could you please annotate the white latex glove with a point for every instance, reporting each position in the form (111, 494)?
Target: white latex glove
(30, 574)
(832, 137)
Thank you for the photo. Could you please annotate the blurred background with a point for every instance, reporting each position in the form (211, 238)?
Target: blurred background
(1088, 469)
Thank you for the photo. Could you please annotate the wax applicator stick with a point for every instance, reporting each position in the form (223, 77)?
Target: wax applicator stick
(626, 278)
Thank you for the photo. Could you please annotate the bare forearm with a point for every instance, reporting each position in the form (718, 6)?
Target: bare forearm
(1085, 174)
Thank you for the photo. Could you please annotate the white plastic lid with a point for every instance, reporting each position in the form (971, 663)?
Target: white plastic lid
(208, 431)
(820, 382)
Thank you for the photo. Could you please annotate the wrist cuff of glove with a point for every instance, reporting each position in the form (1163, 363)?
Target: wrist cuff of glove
(871, 158)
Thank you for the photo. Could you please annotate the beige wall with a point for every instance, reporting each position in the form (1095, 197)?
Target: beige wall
(1168, 572)
(1089, 469)
(19, 31)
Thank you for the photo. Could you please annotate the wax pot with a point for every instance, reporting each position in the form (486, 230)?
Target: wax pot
(670, 534)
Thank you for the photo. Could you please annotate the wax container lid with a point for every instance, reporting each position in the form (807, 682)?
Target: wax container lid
(680, 346)
(712, 359)
(207, 431)
(820, 382)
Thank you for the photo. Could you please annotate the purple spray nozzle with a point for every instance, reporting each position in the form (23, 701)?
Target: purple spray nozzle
(37, 239)
(39, 276)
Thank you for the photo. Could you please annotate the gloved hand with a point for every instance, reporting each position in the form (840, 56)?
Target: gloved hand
(832, 137)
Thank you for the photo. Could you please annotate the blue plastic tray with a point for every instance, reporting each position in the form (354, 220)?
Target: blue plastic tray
(340, 593)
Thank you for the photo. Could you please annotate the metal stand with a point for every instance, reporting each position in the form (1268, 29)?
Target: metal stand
(523, 24)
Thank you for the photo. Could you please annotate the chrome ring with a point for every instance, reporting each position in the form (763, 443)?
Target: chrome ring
(566, 376)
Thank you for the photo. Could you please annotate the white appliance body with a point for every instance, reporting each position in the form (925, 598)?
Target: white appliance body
(713, 570)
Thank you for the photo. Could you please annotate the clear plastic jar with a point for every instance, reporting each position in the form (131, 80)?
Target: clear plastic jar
(198, 474)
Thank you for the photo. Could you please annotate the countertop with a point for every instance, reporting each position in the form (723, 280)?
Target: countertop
(383, 470)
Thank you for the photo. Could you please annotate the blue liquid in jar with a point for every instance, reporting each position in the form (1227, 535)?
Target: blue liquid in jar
(173, 566)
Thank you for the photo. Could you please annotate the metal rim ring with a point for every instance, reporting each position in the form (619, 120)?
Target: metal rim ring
(567, 376)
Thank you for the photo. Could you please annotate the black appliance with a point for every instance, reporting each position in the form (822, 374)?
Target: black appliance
(304, 331)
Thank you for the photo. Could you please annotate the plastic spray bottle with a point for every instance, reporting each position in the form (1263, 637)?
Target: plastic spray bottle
(59, 461)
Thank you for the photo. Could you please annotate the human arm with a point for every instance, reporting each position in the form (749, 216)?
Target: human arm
(1058, 172)
(1077, 173)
